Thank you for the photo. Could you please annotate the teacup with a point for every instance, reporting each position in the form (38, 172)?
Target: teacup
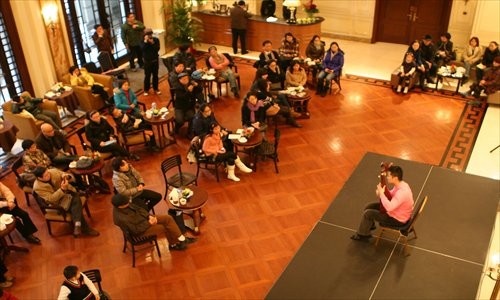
(183, 201)
(149, 114)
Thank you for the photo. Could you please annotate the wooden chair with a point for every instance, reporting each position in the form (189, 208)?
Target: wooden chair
(202, 160)
(57, 214)
(267, 149)
(221, 80)
(136, 241)
(405, 230)
(337, 80)
(132, 138)
(180, 179)
(95, 276)
(27, 190)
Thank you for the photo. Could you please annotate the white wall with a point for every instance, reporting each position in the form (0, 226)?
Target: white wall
(153, 17)
(461, 21)
(487, 22)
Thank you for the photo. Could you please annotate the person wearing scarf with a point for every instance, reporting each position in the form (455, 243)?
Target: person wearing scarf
(253, 112)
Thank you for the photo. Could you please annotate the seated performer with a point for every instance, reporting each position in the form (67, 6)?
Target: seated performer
(398, 210)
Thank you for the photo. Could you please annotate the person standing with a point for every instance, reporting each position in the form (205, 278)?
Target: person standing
(398, 210)
(150, 48)
(239, 22)
(131, 36)
(104, 43)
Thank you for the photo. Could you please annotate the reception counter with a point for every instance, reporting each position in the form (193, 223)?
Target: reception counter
(217, 30)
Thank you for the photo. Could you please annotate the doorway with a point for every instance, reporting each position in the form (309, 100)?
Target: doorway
(402, 21)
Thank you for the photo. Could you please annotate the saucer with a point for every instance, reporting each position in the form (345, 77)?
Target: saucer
(6, 219)
(242, 139)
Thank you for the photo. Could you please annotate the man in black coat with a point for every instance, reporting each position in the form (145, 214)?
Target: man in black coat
(150, 48)
(55, 145)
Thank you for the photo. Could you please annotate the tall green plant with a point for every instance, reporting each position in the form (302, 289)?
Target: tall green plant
(182, 27)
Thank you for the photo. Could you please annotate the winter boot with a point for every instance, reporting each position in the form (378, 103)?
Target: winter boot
(242, 166)
(319, 88)
(230, 174)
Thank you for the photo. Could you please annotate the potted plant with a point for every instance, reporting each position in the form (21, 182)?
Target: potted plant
(182, 27)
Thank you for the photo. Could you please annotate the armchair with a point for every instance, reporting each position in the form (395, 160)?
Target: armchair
(89, 101)
(28, 126)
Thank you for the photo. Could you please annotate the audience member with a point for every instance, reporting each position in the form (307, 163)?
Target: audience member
(104, 43)
(126, 100)
(32, 105)
(214, 148)
(185, 57)
(24, 224)
(239, 23)
(295, 75)
(54, 145)
(270, 99)
(220, 63)
(173, 76)
(33, 157)
(406, 72)
(102, 138)
(428, 56)
(275, 75)
(490, 83)
(185, 101)
(332, 65)
(128, 182)
(150, 48)
(80, 77)
(444, 50)
(54, 187)
(127, 123)
(138, 222)
(398, 210)
(487, 62)
(131, 37)
(289, 50)
(253, 112)
(261, 73)
(315, 51)
(414, 49)
(77, 286)
(266, 55)
(472, 55)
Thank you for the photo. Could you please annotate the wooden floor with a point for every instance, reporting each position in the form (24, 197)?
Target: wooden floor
(253, 227)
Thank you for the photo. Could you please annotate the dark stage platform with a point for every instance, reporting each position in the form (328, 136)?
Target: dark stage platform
(446, 260)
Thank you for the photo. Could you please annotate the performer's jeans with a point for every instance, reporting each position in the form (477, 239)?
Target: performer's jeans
(371, 214)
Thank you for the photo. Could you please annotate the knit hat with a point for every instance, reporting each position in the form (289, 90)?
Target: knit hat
(182, 75)
(119, 200)
(428, 37)
(148, 31)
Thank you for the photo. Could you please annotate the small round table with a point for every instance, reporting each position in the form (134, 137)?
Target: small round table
(250, 146)
(67, 100)
(86, 175)
(158, 122)
(193, 208)
(300, 104)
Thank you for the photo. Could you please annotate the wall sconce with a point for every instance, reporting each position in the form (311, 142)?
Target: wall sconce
(292, 6)
(49, 13)
(494, 273)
